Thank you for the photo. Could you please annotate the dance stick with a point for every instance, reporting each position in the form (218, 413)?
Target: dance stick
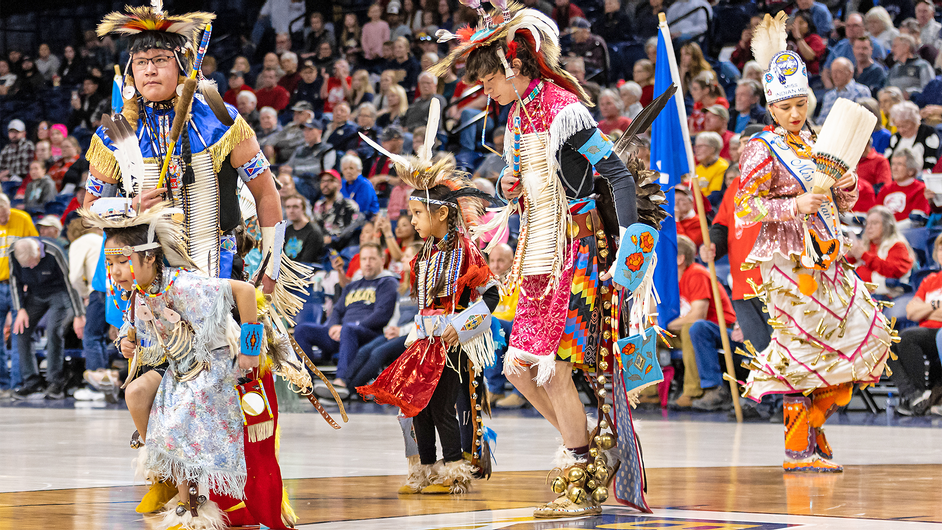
(183, 103)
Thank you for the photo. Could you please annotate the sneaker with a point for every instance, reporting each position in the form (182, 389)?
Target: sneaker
(682, 402)
(920, 403)
(33, 391)
(86, 394)
(55, 391)
(6, 393)
(936, 410)
(716, 398)
(511, 401)
(101, 379)
(904, 409)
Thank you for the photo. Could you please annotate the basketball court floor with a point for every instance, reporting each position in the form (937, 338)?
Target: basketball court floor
(69, 467)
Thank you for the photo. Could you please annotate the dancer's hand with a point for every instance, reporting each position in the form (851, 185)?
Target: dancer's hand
(450, 336)
(808, 203)
(149, 198)
(127, 348)
(849, 180)
(268, 285)
(508, 182)
(334, 332)
(22, 322)
(247, 362)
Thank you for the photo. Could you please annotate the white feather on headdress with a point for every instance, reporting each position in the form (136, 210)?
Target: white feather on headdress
(769, 38)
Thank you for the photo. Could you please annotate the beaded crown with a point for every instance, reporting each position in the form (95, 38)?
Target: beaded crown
(786, 75)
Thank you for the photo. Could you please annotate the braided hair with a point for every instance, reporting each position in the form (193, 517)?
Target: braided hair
(451, 241)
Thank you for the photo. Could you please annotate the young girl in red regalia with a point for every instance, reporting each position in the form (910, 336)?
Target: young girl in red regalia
(456, 293)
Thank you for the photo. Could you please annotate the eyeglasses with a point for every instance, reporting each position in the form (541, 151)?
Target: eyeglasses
(161, 61)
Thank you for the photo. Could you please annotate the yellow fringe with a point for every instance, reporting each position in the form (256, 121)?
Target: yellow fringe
(102, 159)
(261, 431)
(239, 132)
(287, 513)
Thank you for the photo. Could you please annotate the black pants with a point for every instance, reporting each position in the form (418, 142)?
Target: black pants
(917, 363)
(440, 414)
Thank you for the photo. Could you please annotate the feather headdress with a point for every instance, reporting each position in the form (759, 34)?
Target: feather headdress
(166, 228)
(424, 172)
(786, 75)
(142, 19)
(503, 24)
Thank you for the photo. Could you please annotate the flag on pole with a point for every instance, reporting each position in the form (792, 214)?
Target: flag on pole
(672, 156)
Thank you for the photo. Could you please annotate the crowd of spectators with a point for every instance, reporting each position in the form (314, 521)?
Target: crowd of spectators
(311, 83)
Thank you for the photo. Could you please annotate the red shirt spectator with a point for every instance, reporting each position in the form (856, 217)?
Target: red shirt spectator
(904, 197)
(275, 97)
(866, 198)
(695, 284)
(887, 260)
(685, 213)
(232, 94)
(690, 227)
(739, 243)
(566, 12)
(874, 168)
(930, 290)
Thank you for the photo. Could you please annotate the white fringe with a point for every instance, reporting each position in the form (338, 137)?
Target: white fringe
(563, 459)
(456, 475)
(573, 118)
(209, 517)
(545, 364)
(419, 475)
(165, 466)
(140, 469)
(480, 350)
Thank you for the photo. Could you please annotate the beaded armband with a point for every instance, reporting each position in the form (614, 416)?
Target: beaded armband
(253, 168)
(250, 339)
(596, 148)
(99, 188)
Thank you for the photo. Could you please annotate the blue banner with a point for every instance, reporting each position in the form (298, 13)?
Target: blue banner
(669, 156)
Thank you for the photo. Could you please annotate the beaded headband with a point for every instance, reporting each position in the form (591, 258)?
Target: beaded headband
(126, 250)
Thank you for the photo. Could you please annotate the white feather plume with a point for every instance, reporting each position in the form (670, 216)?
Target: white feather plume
(127, 151)
(157, 6)
(534, 21)
(431, 131)
(397, 159)
(769, 38)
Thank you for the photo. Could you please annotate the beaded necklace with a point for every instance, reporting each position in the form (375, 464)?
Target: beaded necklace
(138, 288)
(433, 266)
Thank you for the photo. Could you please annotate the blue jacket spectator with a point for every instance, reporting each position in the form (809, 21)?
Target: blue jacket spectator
(854, 29)
(866, 71)
(820, 14)
(356, 187)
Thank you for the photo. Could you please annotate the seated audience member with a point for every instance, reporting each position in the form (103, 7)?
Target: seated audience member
(882, 253)
(912, 133)
(279, 146)
(71, 152)
(285, 183)
(590, 48)
(611, 108)
(39, 189)
(269, 93)
(874, 168)
(267, 123)
(711, 168)
(341, 133)
(403, 61)
(40, 287)
(50, 227)
(867, 72)
(366, 125)
(398, 240)
(866, 197)
(688, 223)
(630, 94)
(881, 136)
(804, 39)
(715, 118)
(338, 218)
(289, 63)
(315, 156)
(417, 113)
(880, 24)
(911, 72)
(905, 194)
(236, 86)
(247, 104)
(363, 309)
(842, 75)
(696, 304)
(916, 366)
(356, 187)
(304, 241)
(381, 167)
(17, 153)
(748, 109)
(705, 92)
(376, 355)
(310, 85)
(394, 109)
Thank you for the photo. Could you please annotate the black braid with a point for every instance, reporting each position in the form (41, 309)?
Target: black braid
(188, 176)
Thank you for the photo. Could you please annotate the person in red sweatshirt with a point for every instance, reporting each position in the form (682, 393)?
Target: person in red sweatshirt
(874, 168)
(236, 85)
(905, 194)
(866, 197)
(882, 253)
(688, 222)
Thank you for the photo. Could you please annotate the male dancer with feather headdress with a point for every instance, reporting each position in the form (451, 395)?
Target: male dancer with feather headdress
(215, 150)
(568, 311)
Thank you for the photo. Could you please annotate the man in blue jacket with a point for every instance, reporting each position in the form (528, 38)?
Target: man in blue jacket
(365, 306)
